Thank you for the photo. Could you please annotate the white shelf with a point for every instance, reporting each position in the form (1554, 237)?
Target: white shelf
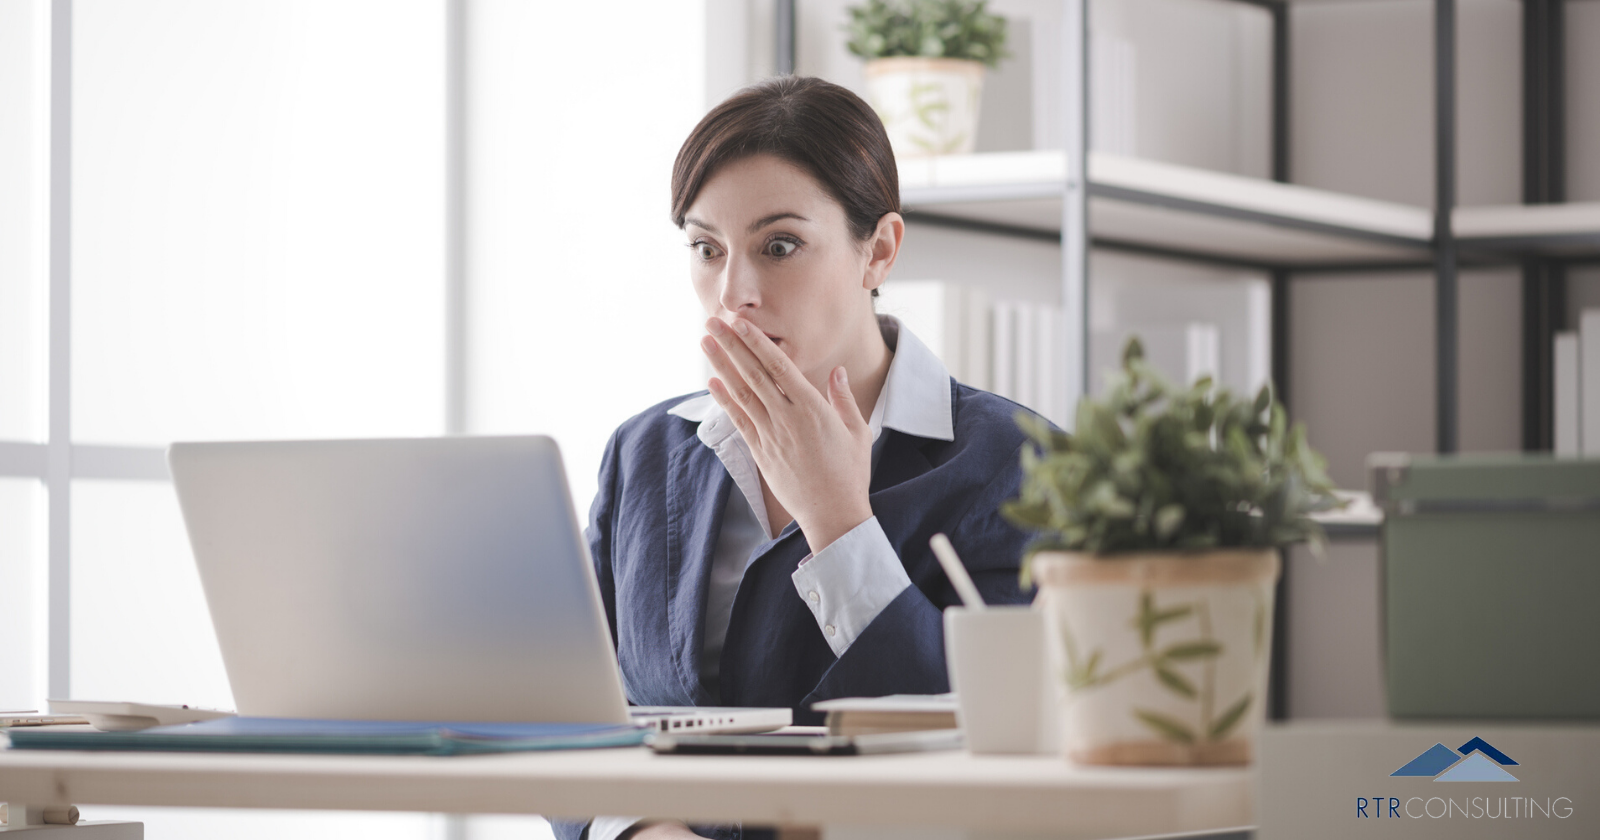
(1360, 518)
(1167, 207)
(1567, 230)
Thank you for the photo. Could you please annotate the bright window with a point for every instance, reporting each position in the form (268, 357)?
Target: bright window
(260, 226)
(258, 247)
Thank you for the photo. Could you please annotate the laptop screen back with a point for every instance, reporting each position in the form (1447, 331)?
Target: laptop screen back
(431, 579)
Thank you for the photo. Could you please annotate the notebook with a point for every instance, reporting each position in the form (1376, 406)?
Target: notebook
(893, 713)
(358, 737)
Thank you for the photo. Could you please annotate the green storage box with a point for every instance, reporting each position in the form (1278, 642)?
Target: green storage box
(1491, 568)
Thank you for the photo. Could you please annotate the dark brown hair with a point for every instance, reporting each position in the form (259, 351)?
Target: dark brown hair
(818, 126)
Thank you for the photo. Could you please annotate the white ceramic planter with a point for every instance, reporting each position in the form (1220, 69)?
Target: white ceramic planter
(1164, 656)
(928, 105)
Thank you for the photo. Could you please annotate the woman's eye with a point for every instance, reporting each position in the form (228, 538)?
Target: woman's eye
(781, 248)
(704, 251)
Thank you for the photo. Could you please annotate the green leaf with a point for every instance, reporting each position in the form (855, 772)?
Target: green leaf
(1229, 718)
(1168, 518)
(1175, 681)
(1165, 727)
(1263, 401)
(944, 28)
(1132, 351)
(1145, 620)
(1172, 614)
(1186, 651)
(1151, 468)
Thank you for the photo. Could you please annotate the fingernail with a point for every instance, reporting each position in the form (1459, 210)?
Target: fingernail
(716, 326)
(707, 343)
(742, 326)
(839, 376)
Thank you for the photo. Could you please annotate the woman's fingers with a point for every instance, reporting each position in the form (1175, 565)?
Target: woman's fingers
(843, 399)
(735, 388)
(776, 364)
(741, 420)
(755, 372)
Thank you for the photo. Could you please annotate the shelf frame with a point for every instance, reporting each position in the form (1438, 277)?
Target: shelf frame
(1282, 288)
(1446, 294)
(1544, 165)
(1544, 286)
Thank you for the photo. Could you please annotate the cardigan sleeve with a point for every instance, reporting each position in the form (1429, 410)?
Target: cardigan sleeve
(599, 532)
(902, 650)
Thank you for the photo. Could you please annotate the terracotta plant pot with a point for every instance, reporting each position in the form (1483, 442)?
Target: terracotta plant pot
(1163, 655)
(929, 106)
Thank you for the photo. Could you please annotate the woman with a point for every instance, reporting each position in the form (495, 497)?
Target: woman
(765, 543)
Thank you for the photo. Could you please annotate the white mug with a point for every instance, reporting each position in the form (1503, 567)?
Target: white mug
(1000, 671)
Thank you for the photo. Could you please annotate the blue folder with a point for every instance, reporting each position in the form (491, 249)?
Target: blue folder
(358, 737)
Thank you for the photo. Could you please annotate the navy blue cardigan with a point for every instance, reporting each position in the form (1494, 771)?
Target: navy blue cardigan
(658, 515)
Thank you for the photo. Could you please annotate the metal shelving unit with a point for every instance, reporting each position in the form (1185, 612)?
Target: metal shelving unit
(1273, 226)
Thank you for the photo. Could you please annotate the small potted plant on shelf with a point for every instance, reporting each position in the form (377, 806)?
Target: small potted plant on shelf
(925, 63)
(1159, 521)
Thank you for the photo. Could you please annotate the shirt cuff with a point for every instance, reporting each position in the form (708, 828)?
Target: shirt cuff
(849, 582)
(610, 828)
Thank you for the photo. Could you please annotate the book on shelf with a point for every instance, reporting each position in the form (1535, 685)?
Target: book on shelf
(1589, 381)
(1014, 348)
(1003, 350)
(1568, 395)
(893, 713)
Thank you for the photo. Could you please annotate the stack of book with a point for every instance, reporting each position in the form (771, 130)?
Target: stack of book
(1019, 350)
(1577, 387)
(894, 713)
(1015, 348)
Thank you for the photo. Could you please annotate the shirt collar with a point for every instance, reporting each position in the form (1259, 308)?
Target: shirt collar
(915, 398)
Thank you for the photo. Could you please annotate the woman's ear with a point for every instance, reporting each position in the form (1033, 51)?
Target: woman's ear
(882, 249)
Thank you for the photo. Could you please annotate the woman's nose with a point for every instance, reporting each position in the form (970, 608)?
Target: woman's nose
(740, 286)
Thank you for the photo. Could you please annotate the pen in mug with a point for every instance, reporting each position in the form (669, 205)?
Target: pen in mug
(957, 573)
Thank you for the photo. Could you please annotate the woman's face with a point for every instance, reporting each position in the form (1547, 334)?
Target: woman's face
(768, 244)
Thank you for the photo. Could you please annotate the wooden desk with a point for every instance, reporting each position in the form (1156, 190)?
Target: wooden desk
(952, 794)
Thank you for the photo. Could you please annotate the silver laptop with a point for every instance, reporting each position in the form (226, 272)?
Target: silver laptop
(430, 579)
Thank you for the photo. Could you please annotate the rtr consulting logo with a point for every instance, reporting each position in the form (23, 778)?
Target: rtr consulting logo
(1482, 763)
(1475, 761)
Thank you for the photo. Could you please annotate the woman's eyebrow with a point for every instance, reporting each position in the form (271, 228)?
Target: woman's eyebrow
(702, 225)
(767, 220)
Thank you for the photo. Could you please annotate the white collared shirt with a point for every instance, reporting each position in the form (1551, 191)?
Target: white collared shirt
(852, 579)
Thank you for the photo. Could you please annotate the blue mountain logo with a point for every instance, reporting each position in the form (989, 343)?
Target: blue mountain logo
(1475, 761)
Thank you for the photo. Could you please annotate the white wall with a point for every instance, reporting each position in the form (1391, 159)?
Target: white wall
(1583, 136)
(1203, 80)
(581, 309)
(1583, 100)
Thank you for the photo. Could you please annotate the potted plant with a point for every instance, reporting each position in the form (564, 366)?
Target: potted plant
(925, 63)
(1159, 521)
